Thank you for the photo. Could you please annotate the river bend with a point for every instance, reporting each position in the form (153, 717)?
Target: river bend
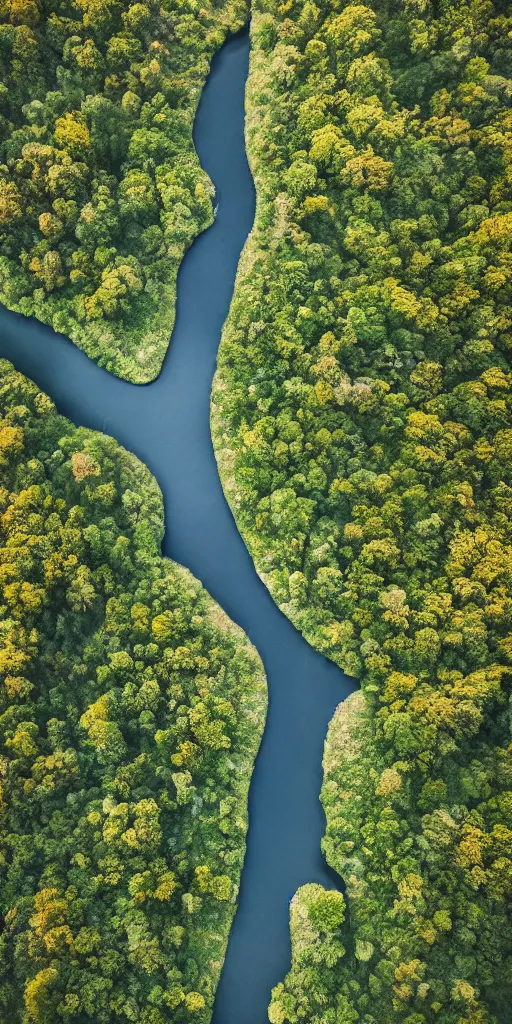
(166, 424)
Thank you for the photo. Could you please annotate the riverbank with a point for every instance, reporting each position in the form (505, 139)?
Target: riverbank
(166, 424)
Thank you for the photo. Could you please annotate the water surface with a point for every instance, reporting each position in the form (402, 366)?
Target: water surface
(167, 425)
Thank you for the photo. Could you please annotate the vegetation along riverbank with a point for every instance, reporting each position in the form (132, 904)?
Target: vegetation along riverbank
(362, 421)
(101, 191)
(131, 714)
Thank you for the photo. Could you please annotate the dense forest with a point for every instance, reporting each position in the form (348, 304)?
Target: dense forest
(131, 712)
(101, 190)
(362, 418)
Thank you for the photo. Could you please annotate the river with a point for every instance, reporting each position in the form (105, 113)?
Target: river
(166, 424)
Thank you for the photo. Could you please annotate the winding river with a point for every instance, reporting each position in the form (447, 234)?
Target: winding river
(166, 424)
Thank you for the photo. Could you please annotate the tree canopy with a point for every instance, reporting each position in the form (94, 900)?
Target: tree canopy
(101, 190)
(362, 419)
(131, 710)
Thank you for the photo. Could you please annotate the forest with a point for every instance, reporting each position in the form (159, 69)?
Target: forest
(362, 419)
(101, 191)
(131, 710)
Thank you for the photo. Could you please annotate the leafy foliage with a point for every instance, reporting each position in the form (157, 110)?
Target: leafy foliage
(131, 712)
(101, 190)
(362, 419)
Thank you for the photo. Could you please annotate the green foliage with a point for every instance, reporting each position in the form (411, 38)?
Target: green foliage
(362, 418)
(130, 714)
(101, 191)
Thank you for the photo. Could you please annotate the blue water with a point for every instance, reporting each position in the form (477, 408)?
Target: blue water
(167, 425)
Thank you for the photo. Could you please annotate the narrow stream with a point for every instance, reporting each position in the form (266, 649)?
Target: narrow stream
(167, 425)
